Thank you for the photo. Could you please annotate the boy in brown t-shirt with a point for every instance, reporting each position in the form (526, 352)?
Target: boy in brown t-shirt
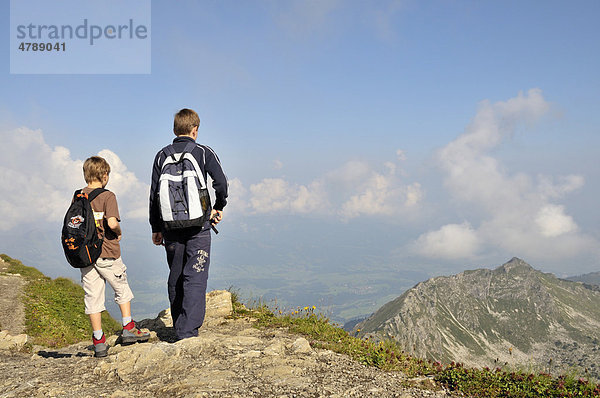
(109, 267)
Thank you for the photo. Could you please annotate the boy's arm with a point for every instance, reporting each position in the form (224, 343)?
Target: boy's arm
(220, 184)
(113, 224)
(111, 213)
(155, 221)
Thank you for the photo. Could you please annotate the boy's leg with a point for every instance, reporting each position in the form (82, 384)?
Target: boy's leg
(115, 273)
(195, 276)
(125, 313)
(125, 309)
(93, 286)
(96, 321)
(176, 258)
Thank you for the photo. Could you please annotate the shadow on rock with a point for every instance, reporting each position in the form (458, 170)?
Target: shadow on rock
(162, 325)
(218, 306)
(56, 354)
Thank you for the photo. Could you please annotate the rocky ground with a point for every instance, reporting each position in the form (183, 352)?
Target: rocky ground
(229, 358)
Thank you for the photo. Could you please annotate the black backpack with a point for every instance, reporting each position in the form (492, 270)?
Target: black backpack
(79, 238)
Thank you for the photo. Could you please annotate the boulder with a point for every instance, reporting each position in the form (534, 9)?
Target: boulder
(10, 342)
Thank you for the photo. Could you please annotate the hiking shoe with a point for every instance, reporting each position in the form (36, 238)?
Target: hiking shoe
(100, 347)
(131, 334)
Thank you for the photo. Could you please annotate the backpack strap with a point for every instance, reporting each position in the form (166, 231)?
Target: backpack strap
(94, 194)
(189, 147)
(169, 150)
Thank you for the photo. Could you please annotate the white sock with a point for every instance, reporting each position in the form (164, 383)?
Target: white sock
(98, 334)
(126, 320)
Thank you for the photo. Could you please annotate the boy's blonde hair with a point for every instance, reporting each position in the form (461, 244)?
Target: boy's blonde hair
(94, 169)
(185, 121)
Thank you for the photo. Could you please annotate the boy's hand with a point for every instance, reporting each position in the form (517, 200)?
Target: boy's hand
(216, 216)
(157, 238)
(113, 224)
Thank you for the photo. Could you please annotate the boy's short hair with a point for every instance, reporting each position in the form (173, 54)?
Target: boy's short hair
(185, 120)
(94, 169)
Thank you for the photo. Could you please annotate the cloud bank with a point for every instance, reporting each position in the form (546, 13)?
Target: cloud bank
(353, 190)
(37, 181)
(496, 211)
(521, 213)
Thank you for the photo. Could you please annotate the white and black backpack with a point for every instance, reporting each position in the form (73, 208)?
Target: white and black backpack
(182, 194)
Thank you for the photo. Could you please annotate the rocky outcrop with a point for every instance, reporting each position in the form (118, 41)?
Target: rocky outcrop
(513, 315)
(12, 342)
(229, 358)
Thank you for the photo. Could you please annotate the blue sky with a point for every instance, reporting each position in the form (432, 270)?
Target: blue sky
(402, 137)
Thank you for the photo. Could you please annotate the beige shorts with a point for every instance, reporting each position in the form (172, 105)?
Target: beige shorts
(94, 280)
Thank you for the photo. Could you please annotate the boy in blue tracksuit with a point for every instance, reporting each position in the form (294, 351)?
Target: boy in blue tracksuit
(188, 250)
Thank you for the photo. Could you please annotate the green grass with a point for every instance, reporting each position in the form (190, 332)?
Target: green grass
(387, 355)
(54, 309)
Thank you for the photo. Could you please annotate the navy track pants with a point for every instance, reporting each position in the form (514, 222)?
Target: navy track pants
(188, 256)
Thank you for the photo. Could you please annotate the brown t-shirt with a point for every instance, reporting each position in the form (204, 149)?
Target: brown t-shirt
(105, 206)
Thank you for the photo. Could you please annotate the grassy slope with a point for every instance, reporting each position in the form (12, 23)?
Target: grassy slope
(54, 309)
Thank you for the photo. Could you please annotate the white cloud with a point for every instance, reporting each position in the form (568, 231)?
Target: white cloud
(452, 241)
(380, 194)
(276, 195)
(304, 17)
(277, 164)
(237, 200)
(401, 154)
(37, 181)
(384, 14)
(130, 191)
(414, 194)
(516, 210)
(566, 184)
(552, 221)
(355, 189)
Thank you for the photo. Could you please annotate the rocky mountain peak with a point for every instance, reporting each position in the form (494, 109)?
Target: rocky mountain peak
(516, 265)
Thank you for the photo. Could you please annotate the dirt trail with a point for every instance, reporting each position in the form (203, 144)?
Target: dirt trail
(12, 312)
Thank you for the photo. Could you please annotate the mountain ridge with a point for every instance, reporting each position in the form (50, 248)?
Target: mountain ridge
(513, 314)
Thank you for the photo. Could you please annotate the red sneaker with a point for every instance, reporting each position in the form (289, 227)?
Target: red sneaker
(131, 334)
(100, 347)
